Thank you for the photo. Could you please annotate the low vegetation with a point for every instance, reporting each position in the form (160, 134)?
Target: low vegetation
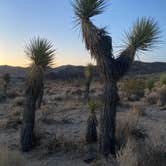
(10, 158)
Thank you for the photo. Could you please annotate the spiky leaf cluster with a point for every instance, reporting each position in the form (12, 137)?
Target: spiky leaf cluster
(41, 52)
(144, 34)
(85, 9)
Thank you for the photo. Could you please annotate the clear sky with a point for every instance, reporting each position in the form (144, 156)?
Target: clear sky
(21, 20)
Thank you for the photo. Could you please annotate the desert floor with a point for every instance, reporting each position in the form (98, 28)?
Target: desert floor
(61, 123)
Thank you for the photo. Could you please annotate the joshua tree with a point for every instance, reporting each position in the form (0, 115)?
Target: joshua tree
(142, 37)
(91, 131)
(41, 53)
(89, 77)
(6, 79)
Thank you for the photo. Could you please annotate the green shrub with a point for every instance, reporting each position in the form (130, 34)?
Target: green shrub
(92, 106)
(150, 84)
(134, 86)
(163, 79)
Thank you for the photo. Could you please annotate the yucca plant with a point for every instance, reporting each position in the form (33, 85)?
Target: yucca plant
(88, 77)
(91, 131)
(6, 80)
(143, 36)
(41, 53)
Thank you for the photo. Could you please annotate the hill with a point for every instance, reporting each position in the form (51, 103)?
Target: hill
(71, 72)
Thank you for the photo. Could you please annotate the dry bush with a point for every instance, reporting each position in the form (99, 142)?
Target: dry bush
(162, 96)
(45, 112)
(133, 88)
(53, 144)
(152, 98)
(152, 154)
(18, 101)
(141, 154)
(128, 156)
(9, 158)
(139, 110)
(129, 128)
(109, 161)
(13, 120)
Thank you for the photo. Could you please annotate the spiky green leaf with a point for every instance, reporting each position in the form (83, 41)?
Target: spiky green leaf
(40, 51)
(144, 34)
(85, 9)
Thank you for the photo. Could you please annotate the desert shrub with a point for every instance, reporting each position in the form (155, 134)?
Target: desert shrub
(152, 154)
(135, 87)
(162, 96)
(139, 110)
(163, 79)
(150, 84)
(141, 154)
(152, 98)
(18, 101)
(9, 158)
(129, 128)
(13, 120)
(128, 156)
(52, 144)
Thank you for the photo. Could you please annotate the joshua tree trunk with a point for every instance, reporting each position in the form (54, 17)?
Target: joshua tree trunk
(108, 119)
(144, 35)
(39, 101)
(28, 122)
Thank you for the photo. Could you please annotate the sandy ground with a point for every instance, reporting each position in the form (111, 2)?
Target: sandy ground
(63, 115)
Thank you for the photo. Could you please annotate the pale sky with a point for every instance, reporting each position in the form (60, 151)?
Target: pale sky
(21, 20)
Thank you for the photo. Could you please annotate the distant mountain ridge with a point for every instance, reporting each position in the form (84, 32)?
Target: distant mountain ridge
(71, 72)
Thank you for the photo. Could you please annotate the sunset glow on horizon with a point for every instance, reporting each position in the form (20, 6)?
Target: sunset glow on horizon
(53, 20)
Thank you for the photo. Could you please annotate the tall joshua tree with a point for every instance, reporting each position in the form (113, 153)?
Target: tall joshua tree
(6, 79)
(144, 34)
(41, 53)
(89, 77)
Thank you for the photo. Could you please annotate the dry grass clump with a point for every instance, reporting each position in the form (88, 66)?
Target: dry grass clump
(141, 154)
(152, 98)
(129, 128)
(153, 154)
(45, 112)
(139, 110)
(18, 101)
(13, 120)
(128, 156)
(133, 88)
(53, 144)
(9, 158)
(162, 96)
